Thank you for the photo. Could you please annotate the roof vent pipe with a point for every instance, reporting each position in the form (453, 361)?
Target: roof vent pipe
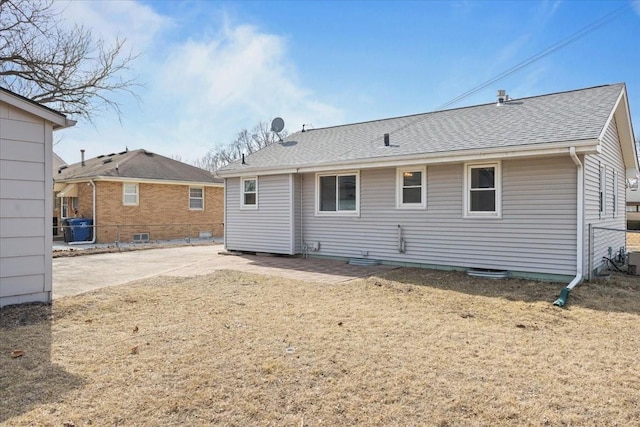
(243, 159)
(82, 157)
(386, 139)
(502, 97)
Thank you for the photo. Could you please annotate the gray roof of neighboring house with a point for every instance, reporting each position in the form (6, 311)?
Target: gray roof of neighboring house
(566, 116)
(136, 164)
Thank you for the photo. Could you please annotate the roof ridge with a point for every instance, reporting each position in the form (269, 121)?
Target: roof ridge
(130, 155)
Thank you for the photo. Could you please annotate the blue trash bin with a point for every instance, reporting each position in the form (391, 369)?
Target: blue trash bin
(81, 229)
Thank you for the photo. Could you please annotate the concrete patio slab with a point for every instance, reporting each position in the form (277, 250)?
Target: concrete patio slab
(78, 274)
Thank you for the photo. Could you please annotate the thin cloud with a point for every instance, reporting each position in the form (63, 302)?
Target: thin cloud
(135, 21)
(198, 92)
(232, 81)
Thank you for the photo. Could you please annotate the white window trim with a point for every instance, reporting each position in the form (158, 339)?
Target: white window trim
(68, 206)
(497, 214)
(337, 212)
(602, 193)
(399, 186)
(124, 193)
(242, 193)
(196, 198)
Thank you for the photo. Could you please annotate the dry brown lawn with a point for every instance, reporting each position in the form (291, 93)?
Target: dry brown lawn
(412, 348)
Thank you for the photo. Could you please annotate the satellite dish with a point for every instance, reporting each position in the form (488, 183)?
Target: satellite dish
(277, 125)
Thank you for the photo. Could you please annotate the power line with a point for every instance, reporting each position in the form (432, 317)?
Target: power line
(573, 37)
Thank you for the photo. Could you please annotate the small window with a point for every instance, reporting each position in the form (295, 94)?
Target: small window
(615, 194)
(411, 187)
(482, 190)
(196, 198)
(249, 193)
(337, 193)
(603, 191)
(130, 194)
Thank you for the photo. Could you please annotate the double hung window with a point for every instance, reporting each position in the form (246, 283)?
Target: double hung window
(337, 193)
(411, 186)
(130, 194)
(196, 198)
(483, 190)
(249, 196)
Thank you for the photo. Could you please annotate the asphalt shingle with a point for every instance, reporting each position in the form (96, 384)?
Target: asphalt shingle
(138, 164)
(567, 116)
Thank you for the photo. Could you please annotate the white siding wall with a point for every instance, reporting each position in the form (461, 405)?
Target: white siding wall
(25, 207)
(536, 234)
(267, 228)
(602, 240)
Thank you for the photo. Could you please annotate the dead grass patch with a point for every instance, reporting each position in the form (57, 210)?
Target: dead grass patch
(412, 347)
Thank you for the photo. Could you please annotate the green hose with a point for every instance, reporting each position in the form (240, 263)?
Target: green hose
(562, 299)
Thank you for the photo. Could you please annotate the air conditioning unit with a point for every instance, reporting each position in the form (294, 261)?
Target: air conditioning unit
(634, 263)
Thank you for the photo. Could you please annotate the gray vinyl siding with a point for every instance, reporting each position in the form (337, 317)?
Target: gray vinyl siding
(267, 228)
(25, 207)
(537, 231)
(597, 243)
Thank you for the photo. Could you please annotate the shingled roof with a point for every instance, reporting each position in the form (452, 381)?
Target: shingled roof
(533, 123)
(135, 164)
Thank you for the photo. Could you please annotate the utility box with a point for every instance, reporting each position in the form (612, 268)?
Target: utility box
(634, 263)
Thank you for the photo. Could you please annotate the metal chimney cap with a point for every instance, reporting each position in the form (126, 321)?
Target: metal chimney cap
(502, 97)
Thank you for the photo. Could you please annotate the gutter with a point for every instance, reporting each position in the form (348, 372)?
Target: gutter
(77, 179)
(94, 226)
(564, 294)
(590, 146)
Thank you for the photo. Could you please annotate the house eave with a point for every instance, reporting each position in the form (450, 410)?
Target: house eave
(622, 116)
(59, 120)
(582, 147)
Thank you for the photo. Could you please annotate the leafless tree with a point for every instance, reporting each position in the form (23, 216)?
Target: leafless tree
(245, 142)
(66, 69)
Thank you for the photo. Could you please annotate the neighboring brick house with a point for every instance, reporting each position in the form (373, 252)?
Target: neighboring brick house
(140, 196)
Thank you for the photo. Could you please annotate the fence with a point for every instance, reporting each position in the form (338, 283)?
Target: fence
(139, 233)
(609, 248)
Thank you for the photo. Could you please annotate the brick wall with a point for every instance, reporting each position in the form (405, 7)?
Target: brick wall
(162, 211)
(85, 200)
(633, 241)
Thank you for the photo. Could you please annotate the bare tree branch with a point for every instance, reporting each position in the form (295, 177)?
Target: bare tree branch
(245, 142)
(67, 69)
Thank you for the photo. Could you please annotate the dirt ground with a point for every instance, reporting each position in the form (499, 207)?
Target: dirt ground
(409, 347)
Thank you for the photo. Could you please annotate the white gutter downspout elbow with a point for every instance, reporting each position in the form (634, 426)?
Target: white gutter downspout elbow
(564, 294)
(94, 228)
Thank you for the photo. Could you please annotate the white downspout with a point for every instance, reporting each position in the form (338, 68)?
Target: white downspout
(564, 294)
(224, 212)
(95, 228)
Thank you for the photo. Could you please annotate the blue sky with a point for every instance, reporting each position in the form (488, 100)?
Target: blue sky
(213, 68)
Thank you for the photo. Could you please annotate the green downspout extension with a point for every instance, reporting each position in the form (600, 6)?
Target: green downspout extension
(562, 299)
